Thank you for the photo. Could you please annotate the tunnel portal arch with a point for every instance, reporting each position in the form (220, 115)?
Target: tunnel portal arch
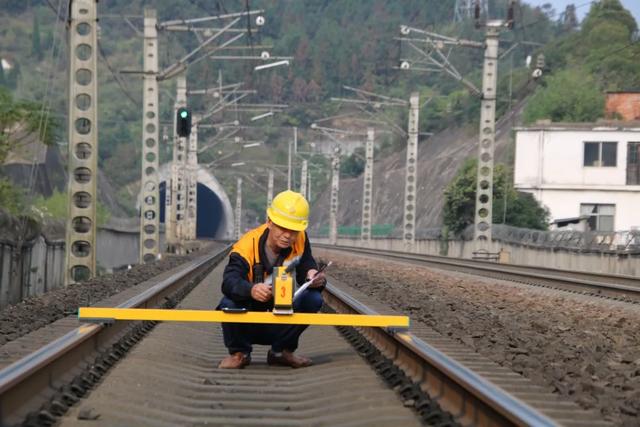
(214, 213)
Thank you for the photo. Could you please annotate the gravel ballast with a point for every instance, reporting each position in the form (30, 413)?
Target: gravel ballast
(38, 311)
(583, 348)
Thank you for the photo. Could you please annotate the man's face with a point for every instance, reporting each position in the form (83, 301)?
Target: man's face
(281, 237)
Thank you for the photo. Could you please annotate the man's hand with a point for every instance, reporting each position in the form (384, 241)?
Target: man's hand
(319, 278)
(261, 292)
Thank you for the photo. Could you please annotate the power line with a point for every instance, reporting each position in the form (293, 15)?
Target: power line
(45, 109)
(117, 77)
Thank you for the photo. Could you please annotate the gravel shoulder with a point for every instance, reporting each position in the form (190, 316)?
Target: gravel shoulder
(585, 349)
(36, 312)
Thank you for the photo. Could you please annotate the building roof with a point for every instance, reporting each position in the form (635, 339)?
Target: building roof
(572, 220)
(601, 126)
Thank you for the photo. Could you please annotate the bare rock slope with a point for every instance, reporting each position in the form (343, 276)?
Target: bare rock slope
(439, 158)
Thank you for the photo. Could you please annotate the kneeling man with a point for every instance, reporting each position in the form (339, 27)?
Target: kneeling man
(278, 242)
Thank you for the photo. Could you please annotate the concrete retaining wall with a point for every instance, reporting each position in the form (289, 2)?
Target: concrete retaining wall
(34, 269)
(564, 259)
(39, 267)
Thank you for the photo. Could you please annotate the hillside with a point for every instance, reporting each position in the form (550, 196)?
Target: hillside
(334, 43)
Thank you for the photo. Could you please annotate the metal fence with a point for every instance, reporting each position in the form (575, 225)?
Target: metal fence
(31, 269)
(591, 241)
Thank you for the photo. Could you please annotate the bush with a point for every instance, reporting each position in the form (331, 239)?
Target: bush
(11, 197)
(509, 206)
(56, 207)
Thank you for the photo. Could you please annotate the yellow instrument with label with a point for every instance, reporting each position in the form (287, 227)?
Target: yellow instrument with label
(282, 287)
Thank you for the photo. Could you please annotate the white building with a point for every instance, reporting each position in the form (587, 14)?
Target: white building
(583, 169)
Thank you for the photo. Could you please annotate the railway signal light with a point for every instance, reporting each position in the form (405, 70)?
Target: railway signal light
(183, 122)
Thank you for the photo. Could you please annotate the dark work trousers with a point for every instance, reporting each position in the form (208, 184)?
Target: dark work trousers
(241, 336)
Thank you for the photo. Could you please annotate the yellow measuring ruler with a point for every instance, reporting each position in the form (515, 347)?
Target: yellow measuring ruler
(168, 315)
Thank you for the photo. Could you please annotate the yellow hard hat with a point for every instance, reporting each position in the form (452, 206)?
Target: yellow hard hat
(289, 210)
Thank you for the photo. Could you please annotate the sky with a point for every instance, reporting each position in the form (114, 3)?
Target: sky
(582, 6)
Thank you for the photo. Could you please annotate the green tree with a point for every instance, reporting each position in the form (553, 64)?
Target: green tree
(605, 47)
(611, 11)
(56, 207)
(36, 46)
(11, 197)
(353, 165)
(19, 120)
(570, 95)
(522, 210)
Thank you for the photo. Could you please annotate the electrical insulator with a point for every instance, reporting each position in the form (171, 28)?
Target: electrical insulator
(405, 65)
(183, 122)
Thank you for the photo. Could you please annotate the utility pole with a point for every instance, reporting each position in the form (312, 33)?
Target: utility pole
(238, 213)
(367, 194)
(83, 143)
(303, 179)
(289, 166)
(192, 182)
(270, 188)
(149, 194)
(309, 185)
(175, 204)
(411, 167)
(376, 101)
(486, 147)
(176, 191)
(432, 55)
(335, 187)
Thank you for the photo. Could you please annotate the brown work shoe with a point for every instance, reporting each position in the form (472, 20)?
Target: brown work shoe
(287, 358)
(235, 361)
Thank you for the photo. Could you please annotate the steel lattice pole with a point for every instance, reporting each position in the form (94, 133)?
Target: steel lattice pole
(411, 172)
(238, 213)
(335, 188)
(484, 188)
(270, 188)
(150, 192)
(176, 198)
(367, 187)
(83, 143)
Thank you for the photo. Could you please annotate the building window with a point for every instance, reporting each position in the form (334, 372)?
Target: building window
(600, 153)
(633, 163)
(600, 216)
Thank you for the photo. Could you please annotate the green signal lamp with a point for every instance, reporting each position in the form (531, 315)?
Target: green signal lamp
(183, 122)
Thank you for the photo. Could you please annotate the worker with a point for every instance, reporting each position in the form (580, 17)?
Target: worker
(279, 242)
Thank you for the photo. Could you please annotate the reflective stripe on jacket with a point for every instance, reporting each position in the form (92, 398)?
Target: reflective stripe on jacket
(248, 251)
(248, 247)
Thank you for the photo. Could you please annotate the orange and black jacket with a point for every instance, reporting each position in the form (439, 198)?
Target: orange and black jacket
(248, 263)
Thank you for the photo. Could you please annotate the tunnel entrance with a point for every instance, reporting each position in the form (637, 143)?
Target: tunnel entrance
(210, 215)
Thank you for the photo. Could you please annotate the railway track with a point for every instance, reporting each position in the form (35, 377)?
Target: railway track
(617, 287)
(109, 375)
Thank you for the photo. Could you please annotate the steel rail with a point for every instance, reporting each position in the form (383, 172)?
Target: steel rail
(471, 398)
(615, 284)
(29, 382)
